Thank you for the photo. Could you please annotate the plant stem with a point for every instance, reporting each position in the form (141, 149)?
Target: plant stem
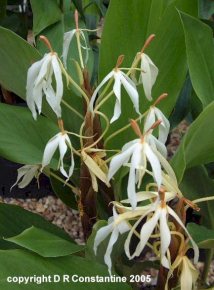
(72, 109)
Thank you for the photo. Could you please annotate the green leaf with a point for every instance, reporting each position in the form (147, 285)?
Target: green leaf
(16, 56)
(44, 243)
(127, 37)
(197, 145)
(16, 219)
(23, 263)
(200, 57)
(203, 236)
(196, 184)
(22, 138)
(45, 13)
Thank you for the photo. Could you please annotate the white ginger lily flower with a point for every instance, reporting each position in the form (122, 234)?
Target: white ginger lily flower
(139, 151)
(26, 173)
(68, 36)
(159, 220)
(153, 115)
(115, 226)
(119, 78)
(62, 141)
(148, 75)
(39, 83)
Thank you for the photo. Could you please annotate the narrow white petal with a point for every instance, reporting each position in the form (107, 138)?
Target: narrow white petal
(156, 144)
(46, 63)
(163, 127)
(195, 247)
(106, 78)
(128, 239)
(50, 149)
(112, 241)
(51, 99)
(186, 276)
(62, 150)
(146, 231)
(131, 181)
(68, 36)
(58, 77)
(156, 168)
(32, 74)
(149, 120)
(71, 169)
(142, 195)
(149, 75)
(101, 235)
(165, 237)
(131, 90)
(117, 92)
(119, 160)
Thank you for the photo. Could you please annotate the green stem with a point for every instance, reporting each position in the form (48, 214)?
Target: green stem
(79, 49)
(123, 129)
(74, 190)
(72, 109)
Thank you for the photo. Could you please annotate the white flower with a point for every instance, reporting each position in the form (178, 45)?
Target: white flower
(62, 141)
(39, 82)
(148, 75)
(68, 36)
(159, 220)
(153, 115)
(26, 173)
(119, 78)
(115, 227)
(139, 151)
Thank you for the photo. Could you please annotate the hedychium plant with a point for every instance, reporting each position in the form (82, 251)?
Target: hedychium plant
(102, 141)
(154, 213)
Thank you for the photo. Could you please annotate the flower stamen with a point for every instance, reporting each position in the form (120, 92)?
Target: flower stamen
(47, 43)
(147, 42)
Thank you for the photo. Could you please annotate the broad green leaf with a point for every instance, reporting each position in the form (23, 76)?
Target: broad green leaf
(125, 32)
(197, 184)
(16, 56)
(203, 236)
(15, 220)
(22, 138)
(200, 57)
(45, 13)
(23, 263)
(197, 145)
(45, 243)
(54, 34)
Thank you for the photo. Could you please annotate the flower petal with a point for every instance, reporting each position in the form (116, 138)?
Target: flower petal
(106, 78)
(131, 90)
(101, 234)
(112, 241)
(46, 63)
(131, 181)
(163, 127)
(149, 120)
(165, 237)
(50, 149)
(155, 164)
(58, 77)
(149, 75)
(66, 43)
(195, 247)
(118, 160)
(117, 92)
